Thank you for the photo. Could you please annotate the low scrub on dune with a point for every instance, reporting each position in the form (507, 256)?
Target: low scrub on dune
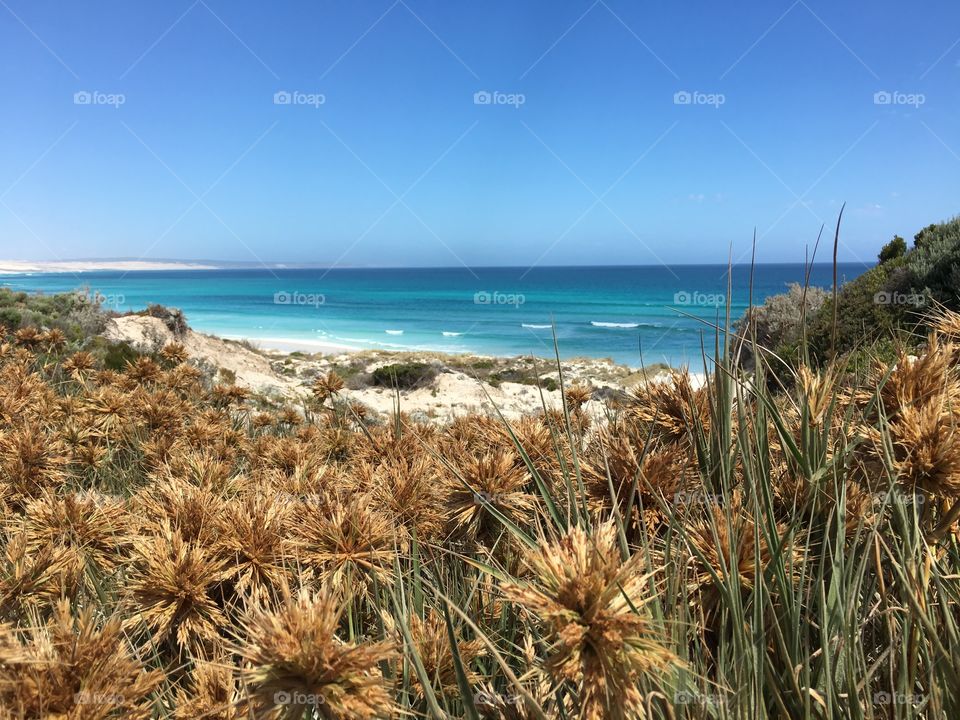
(404, 375)
(886, 307)
(170, 550)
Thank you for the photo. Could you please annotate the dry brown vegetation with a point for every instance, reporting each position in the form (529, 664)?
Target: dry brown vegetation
(169, 550)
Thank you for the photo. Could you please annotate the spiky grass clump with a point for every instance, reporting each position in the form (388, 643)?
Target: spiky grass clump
(171, 589)
(601, 635)
(296, 663)
(77, 667)
(346, 544)
(91, 529)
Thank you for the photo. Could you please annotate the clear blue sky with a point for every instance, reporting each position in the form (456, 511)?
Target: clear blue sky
(399, 165)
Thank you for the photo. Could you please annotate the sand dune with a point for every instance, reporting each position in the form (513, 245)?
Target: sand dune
(16, 267)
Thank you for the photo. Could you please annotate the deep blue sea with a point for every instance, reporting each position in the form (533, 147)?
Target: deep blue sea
(597, 311)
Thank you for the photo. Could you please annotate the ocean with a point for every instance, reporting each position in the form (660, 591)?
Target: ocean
(667, 314)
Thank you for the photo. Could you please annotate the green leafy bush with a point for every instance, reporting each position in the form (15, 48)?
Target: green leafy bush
(893, 249)
(405, 376)
(778, 323)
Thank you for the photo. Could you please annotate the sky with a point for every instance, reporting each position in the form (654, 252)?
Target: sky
(443, 132)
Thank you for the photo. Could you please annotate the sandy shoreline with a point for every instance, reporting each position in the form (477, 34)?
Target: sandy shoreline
(284, 372)
(17, 267)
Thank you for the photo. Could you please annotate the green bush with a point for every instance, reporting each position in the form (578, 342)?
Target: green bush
(78, 313)
(10, 317)
(893, 249)
(173, 318)
(888, 302)
(778, 323)
(404, 376)
(523, 377)
(117, 356)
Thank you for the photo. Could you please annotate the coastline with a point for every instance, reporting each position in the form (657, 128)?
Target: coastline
(18, 267)
(462, 383)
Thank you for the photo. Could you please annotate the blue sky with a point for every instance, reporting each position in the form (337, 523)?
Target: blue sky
(586, 155)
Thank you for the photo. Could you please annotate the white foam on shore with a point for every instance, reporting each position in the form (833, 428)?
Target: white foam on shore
(596, 323)
(394, 332)
(296, 344)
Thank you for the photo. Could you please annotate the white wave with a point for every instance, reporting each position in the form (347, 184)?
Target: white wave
(447, 333)
(394, 332)
(613, 324)
(533, 326)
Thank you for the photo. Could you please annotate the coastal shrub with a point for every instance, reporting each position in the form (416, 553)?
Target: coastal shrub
(10, 317)
(893, 249)
(77, 314)
(118, 355)
(778, 323)
(523, 376)
(173, 318)
(405, 375)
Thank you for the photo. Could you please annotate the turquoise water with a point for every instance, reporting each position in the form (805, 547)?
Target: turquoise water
(597, 311)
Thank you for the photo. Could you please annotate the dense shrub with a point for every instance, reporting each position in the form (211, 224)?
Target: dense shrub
(883, 307)
(405, 376)
(893, 249)
(173, 318)
(778, 323)
(77, 314)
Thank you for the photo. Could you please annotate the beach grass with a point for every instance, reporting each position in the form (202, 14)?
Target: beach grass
(736, 549)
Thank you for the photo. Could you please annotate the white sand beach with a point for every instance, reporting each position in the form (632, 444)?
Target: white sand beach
(458, 389)
(19, 267)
